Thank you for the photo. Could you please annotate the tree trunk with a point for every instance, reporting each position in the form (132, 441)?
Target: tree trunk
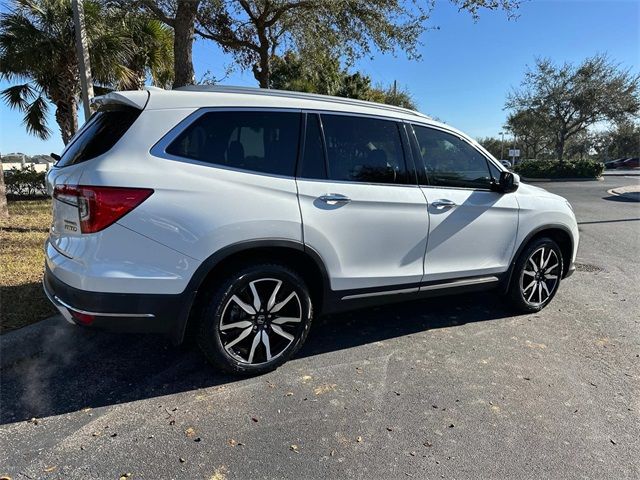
(183, 28)
(261, 76)
(67, 118)
(560, 148)
(262, 69)
(4, 210)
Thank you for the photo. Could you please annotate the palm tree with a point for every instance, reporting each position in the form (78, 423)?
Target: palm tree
(151, 46)
(37, 44)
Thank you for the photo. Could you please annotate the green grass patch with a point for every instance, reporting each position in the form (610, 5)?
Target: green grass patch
(22, 237)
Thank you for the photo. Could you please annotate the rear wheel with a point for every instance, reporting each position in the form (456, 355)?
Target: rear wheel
(536, 276)
(256, 320)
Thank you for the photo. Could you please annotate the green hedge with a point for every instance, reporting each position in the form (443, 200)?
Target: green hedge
(25, 183)
(555, 169)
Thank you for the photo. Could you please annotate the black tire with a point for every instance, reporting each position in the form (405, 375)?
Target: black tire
(532, 287)
(230, 313)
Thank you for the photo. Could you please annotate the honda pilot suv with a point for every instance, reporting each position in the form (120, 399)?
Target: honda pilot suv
(238, 215)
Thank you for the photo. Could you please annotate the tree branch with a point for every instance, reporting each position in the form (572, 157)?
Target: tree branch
(158, 12)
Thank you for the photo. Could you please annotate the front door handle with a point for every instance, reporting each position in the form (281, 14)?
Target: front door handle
(334, 198)
(443, 203)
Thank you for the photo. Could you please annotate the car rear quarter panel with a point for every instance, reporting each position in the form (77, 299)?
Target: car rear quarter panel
(196, 208)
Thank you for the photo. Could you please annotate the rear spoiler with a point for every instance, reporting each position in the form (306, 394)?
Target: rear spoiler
(134, 98)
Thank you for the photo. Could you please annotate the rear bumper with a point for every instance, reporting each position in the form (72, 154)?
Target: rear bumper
(121, 312)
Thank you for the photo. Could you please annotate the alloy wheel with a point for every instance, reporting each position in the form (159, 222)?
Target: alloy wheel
(260, 321)
(540, 276)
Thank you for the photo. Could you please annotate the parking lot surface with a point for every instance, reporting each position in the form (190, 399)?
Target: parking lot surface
(456, 387)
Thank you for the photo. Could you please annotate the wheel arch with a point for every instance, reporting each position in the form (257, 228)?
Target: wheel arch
(295, 255)
(558, 233)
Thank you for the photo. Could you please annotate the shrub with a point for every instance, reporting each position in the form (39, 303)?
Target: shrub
(556, 169)
(25, 183)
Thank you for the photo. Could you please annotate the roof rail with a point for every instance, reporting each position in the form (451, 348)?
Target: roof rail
(300, 95)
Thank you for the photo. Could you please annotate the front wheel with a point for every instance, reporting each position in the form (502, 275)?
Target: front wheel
(536, 275)
(256, 320)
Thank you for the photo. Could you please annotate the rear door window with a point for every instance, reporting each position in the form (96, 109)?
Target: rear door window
(99, 135)
(361, 149)
(265, 142)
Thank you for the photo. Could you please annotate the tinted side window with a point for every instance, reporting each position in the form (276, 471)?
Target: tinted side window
(260, 141)
(99, 135)
(450, 161)
(313, 160)
(363, 149)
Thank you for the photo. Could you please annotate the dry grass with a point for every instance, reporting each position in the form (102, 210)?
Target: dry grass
(22, 237)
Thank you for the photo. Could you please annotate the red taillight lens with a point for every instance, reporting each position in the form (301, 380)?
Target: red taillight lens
(83, 318)
(99, 207)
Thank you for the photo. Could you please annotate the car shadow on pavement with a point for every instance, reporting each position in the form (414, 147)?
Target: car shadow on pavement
(621, 198)
(79, 368)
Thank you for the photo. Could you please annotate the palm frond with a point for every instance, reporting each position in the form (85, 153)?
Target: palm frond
(18, 96)
(35, 118)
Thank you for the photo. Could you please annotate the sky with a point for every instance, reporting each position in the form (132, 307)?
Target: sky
(466, 70)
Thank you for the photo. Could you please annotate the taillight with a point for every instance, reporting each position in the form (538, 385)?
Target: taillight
(99, 207)
(83, 318)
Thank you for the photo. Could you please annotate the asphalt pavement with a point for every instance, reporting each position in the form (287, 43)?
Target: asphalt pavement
(456, 387)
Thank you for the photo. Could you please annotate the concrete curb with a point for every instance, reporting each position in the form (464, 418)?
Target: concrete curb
(534, 180)
(631, 193)
(27, 341)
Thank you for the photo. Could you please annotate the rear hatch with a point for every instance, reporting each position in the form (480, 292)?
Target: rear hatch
(115, 114)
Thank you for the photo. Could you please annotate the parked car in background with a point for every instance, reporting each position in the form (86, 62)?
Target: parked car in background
(612, 164)
(506, 163)
(633, 162)
(239, 215)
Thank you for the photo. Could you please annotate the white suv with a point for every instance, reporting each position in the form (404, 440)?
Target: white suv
(236, 215)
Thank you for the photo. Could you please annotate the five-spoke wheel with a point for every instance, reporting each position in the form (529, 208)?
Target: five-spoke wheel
(257, 319)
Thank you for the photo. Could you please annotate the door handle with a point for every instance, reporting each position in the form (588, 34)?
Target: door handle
(334, 198)
(443, 203)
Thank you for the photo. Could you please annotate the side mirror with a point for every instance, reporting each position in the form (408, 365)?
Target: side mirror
(508, 182)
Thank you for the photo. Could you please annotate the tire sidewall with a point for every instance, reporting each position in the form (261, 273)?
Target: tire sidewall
(209, 334)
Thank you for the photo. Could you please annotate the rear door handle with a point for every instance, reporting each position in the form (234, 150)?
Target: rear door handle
(443, 203)
(334, 198)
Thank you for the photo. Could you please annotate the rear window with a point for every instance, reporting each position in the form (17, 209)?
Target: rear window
(259, 141)
(99, 135)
